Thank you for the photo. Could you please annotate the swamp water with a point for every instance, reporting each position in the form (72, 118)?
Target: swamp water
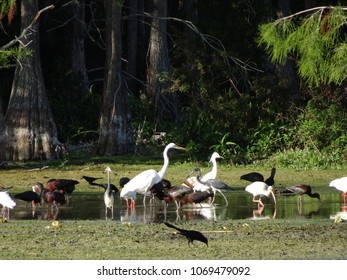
(90, 206)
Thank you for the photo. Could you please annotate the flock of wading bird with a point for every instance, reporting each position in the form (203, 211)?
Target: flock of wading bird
(195, 189)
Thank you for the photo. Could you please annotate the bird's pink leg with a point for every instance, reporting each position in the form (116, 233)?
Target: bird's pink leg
(258, 201)
(132, 204)
(344, 198)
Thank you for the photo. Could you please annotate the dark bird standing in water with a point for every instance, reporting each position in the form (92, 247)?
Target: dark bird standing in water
(29, 197)
(257, 177)
(300, 190)
(191, 235)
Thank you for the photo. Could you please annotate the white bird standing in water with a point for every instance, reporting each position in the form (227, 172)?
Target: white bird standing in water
(213, 173)
(142, 182)
(192, 181)
(260, 189)
(108, 195)
(7, 203)
(341, 185)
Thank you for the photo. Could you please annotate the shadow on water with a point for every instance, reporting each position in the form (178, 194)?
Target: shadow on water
(91, 207)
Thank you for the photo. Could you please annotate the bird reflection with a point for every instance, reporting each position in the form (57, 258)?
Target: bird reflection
(340, 216)
(258, 214)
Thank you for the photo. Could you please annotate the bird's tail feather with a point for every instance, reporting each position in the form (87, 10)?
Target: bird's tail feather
(171, 226)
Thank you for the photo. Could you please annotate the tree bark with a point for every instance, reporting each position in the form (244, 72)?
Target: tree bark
(116, 135)
(77, 37)
(166, 103)
(131, 44)
(30, 127)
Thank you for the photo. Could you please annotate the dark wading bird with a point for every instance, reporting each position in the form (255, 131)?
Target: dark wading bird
(175, 193)
(300, 190)
(29, 197)
(66, 186)
(191, 235)
(257, 177)
(196, 197)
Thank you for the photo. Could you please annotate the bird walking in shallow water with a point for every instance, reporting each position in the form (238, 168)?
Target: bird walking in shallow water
(108, 195)
(259, 189)
(300, 190)
(341, 185)
(7, 203)
(142, 182)
(29, 197)
(191, 235)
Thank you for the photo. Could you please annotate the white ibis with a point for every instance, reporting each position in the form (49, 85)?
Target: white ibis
(7, 203)
(108, 194)
(142, 182)
(341, 185)
(259, 189)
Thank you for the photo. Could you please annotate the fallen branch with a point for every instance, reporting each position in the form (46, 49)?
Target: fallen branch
(26, 30)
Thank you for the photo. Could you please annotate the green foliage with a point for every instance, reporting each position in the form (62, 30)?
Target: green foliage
(11, 55)
(305, 159)
(321, 126)
(316, 40)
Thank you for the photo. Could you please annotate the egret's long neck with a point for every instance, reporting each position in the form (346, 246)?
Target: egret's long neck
(162, 171)
(214, 169)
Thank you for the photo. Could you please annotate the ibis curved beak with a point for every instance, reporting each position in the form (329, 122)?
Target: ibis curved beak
(273, 196)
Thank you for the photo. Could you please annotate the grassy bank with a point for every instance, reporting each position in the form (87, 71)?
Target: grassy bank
(242, 239)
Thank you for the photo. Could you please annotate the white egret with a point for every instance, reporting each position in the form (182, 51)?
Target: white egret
(213, 173)
(142, 182)
(341, 185)
(260, 189)
(210, 175)
(7, 203)
(108, 195)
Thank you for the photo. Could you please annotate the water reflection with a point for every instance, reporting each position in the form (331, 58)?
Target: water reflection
(91, 206)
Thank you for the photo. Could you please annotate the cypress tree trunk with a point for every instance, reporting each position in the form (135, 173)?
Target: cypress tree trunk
(159, 72)
(116, 135)
(30, 127)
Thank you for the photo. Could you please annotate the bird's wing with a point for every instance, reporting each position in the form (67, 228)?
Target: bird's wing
(6, 200)
(143, 181)
(253, 177)
(218, 184)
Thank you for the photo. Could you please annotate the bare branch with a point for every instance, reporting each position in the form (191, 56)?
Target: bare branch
(311, 10)
(27, 29)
